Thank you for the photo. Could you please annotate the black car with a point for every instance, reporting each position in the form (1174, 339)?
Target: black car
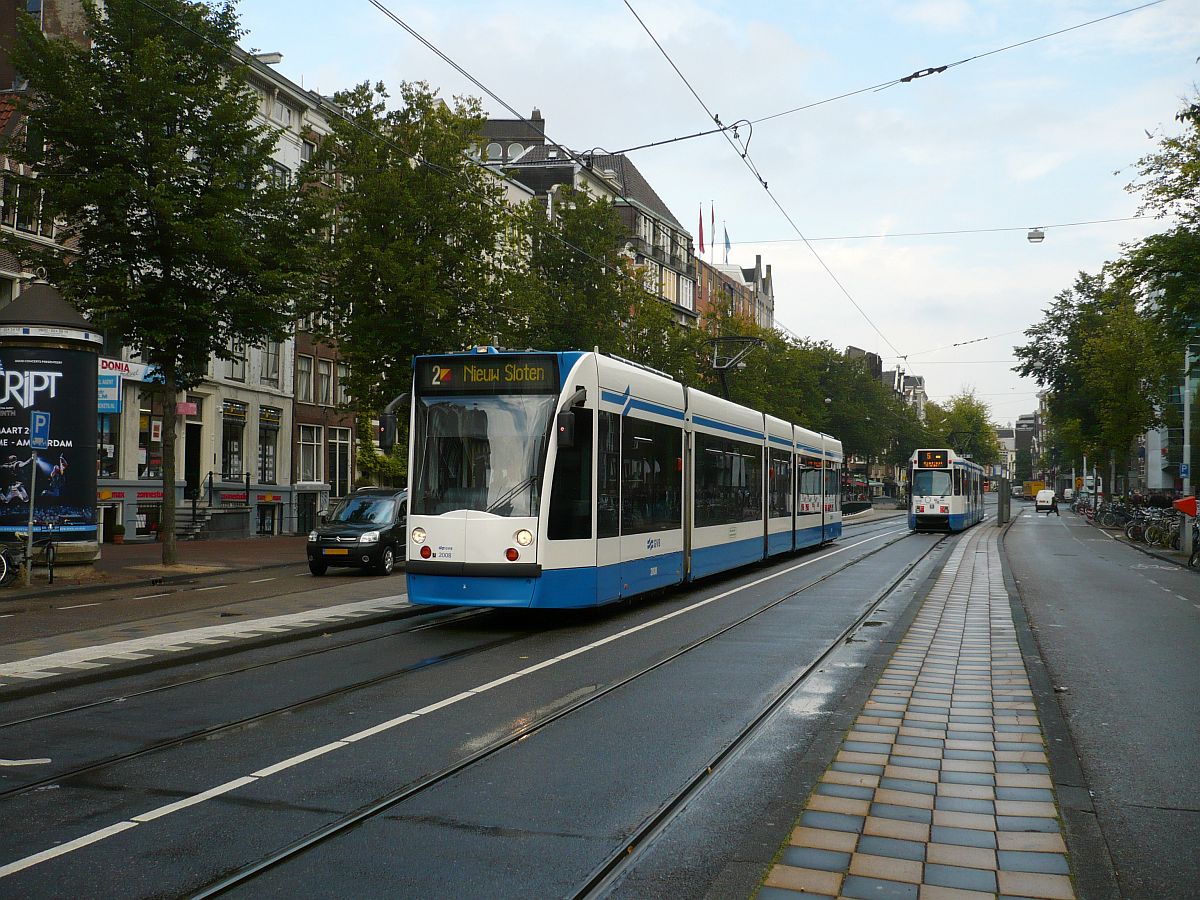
(365, 530)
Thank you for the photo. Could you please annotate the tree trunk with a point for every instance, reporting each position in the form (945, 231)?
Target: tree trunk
(170, 416)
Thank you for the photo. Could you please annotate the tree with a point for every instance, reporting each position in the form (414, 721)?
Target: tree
(965, 426)
(409, 236)
(1105, 363)
(154, 162)
(579, 291)
(1166, 267)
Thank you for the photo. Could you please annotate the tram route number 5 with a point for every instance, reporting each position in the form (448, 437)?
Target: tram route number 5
(39, 430)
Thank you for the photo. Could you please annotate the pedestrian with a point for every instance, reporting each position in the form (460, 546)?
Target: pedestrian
(1053, 507)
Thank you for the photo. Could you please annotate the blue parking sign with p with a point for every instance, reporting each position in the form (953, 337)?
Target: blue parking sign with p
(39, 430)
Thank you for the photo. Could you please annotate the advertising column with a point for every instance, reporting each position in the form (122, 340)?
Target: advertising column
(48, 364)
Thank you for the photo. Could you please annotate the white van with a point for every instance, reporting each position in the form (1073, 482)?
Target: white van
(1044, 500)
(1069, 494)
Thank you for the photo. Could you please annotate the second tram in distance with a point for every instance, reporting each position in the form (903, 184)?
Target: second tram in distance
(574, 479)
(945, 491)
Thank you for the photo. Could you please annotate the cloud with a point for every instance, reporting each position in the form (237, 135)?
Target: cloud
(946, 15)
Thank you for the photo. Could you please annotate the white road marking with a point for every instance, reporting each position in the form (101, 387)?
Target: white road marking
(24, 762)
(7, 615)
(140, 648)
(103, 833)
(152, 596)
(1181, 597)
(64, 849)
(79, 606)
(261, 580)
(211, 587)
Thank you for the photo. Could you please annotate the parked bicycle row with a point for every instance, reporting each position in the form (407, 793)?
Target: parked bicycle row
(1154, 527)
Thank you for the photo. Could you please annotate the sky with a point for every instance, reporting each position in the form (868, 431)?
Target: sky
(1041, 135)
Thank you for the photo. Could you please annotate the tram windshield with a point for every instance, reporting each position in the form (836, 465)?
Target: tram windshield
(483, 452)
(931, 484)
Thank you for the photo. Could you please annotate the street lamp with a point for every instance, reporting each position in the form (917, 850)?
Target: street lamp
(1036, 235)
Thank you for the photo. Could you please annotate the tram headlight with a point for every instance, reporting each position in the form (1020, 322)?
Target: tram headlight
(369, 537)
(524, 537)
(418, 535)
(312, 536)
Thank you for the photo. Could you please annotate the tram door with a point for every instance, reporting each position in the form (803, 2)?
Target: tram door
(608, 506)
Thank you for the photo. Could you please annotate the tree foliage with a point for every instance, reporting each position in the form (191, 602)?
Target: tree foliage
(408, 236)
(147, 150)
(964, 425)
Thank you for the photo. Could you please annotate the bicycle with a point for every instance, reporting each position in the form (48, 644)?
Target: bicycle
(13, 558)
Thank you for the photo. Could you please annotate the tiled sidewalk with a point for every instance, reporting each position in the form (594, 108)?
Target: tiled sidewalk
(942, 789)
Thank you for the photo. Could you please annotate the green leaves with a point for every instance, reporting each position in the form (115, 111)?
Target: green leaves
(154, 160)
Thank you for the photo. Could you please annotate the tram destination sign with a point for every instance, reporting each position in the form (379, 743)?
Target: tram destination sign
(932, 459)
(516, 374)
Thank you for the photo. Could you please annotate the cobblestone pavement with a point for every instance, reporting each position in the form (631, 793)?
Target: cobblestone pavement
(942, 788)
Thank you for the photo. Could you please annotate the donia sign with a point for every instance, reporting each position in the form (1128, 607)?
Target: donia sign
(62, 383)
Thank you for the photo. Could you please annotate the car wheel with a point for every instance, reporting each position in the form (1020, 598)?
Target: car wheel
(317, 567)
(387, 561)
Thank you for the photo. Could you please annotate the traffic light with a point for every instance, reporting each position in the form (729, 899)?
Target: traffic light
(386, 432)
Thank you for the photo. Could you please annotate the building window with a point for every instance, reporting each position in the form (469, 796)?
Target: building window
(233, 432)
(325, 381)
(150, 451)
(278, 175)
(670, 280)
(304, 379)
(8, 203)
(282, 113)
(235, 366)
(687, 293)
(108, 444)
(269, 419)
(310, 453)
(343, 384)
(494, 151)
(307, 149)
(270, 364)
(339, 462)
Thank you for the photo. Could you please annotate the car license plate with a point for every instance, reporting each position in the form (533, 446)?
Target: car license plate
(337, 551)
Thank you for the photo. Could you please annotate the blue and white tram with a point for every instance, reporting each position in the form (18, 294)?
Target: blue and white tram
(576, 479)
(945, 491)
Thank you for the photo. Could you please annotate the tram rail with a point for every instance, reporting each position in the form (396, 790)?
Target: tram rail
(611, 868)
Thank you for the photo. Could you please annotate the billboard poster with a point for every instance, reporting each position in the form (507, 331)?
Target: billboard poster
(63, 383)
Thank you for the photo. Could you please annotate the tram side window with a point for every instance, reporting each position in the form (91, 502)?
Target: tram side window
(651, 477)
(728, 481)
(779, 484)
(958, 483)
(571, 492)
(810, 487)
(832, 492)
(608, 475)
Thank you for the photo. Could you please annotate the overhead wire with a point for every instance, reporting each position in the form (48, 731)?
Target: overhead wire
(883, 85)
(415, 158)
(743, 152)
(583, 159)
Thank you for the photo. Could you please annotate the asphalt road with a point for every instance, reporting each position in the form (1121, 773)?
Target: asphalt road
(533, 746)
(1119, 632)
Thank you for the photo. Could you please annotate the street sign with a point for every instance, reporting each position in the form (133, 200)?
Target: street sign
(39, 430)
(1184, 470)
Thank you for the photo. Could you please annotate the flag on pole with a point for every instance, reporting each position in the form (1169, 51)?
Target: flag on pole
(702, 229)
(726, 243)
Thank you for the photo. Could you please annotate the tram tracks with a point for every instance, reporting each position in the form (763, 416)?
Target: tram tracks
(611, 869)
(213, 731)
